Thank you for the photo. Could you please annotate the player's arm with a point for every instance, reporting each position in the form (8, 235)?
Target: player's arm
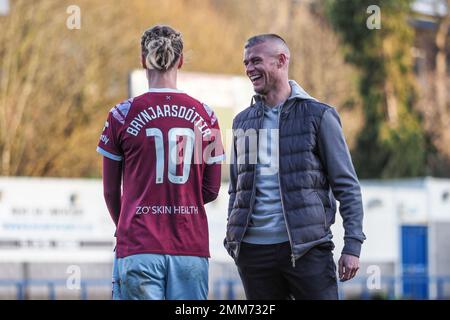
(213, 169)
(109, 147)
(112, 180)
(211, 182)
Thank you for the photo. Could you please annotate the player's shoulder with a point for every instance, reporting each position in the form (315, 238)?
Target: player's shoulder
(121, 110)
(208, 110)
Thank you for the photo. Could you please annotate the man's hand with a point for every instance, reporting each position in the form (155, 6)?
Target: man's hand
(348, 267)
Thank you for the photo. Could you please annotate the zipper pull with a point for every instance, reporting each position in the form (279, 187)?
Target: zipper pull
(293, 260)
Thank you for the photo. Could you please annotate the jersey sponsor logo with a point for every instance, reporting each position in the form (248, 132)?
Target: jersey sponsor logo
(158, 210)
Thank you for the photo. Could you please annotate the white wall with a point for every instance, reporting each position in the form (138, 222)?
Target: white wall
(27, 207)
(4, 7)
(216, 90)
(380, 225)
(438, 192)
(217, 212)
(37, 211)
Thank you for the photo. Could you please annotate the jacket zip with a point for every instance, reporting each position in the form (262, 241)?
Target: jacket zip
(281, 192)
(253, 189)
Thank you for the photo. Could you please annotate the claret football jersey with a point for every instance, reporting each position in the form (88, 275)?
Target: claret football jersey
(165, 139)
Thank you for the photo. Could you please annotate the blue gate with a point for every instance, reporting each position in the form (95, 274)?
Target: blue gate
(415, 262)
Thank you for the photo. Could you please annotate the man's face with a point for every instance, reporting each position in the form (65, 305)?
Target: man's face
(261, 67)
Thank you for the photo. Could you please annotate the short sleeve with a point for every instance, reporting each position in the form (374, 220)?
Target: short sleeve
(216, 153)
(109, 145)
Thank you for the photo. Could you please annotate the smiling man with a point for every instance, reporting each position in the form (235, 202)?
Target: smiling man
(278, 229)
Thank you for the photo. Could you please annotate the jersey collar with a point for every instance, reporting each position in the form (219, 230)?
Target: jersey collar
(165, 90)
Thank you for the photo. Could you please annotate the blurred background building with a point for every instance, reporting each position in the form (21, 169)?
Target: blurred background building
(4, 7)
(390, 86)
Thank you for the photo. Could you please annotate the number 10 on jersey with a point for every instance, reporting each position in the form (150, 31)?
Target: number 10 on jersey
(173, 153)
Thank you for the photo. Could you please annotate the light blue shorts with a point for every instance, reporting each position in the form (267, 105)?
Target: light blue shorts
(160, 276)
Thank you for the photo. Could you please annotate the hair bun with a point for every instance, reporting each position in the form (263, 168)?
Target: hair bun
(161, 46)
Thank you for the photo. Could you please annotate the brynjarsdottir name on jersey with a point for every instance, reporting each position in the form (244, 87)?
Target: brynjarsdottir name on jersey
(152, 113)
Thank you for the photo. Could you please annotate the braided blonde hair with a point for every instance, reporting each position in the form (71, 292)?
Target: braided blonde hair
(161, 46)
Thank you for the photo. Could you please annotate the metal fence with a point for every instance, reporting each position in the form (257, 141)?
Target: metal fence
(22, 286)
(390, 288)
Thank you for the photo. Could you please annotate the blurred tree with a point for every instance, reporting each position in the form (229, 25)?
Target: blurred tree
(441, 86)
(317, 63)
(392, 143)
(54, 83)
(434, 94)
(57, 84)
